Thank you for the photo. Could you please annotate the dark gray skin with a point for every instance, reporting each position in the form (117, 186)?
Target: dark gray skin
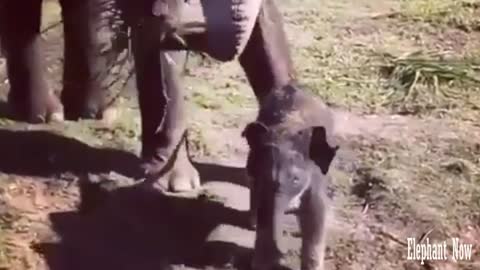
(30, 97)
(289, 159)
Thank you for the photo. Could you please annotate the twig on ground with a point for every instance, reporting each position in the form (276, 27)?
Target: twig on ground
(391, 14)
(365, 208)
(425, 235)
(392, 237)
(51, 26)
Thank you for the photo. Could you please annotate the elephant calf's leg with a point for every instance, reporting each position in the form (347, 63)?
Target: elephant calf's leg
(30, 97)
(162, 108)
(84, 67)
(312, 220)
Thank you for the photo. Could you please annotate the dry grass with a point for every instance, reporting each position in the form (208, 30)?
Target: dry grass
(8, 217)
(417, 76)
(339, 61)
(3, 249)
(461, 14)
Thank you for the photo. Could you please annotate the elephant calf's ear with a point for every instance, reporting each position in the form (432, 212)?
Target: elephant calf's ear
(320, 151)
(254, 132)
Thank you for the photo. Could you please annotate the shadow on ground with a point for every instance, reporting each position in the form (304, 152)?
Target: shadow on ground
(4, 110)
(210, 172)
(46, 154)
(42, 153)
(140, 228)
(125, 227)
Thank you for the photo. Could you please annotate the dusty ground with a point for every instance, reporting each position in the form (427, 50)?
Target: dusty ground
(403, 171)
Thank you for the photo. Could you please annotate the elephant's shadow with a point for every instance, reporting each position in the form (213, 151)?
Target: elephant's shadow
(130, 227)
(46, 154)
(137, 228)
(4, 107)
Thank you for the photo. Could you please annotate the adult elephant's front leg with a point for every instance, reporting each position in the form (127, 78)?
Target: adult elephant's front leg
(30, 97)
(266, 59)
(162, 107)
(84, 67)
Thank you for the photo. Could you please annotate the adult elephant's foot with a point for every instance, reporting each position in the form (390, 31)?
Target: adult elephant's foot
(41, 109)
(79, 107)
(94, 109)
(177, 174)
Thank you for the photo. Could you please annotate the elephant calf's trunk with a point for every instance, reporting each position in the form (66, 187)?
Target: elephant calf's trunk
(268, 243)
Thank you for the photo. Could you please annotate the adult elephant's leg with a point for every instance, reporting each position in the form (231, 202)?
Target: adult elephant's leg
(84, 69)
(162, 107)
(266, 59)
(30, 97)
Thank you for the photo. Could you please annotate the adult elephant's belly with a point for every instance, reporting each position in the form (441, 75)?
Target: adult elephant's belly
(227, 24)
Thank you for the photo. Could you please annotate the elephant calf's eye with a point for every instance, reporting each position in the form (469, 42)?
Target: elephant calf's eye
(295, 174)
(296, 180)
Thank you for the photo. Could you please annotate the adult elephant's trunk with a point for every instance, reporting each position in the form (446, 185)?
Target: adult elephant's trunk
(280, 205)
(228, 24)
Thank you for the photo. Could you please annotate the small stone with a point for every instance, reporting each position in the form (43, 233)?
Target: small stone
(110, 115)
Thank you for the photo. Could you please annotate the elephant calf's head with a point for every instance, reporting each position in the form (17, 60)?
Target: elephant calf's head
(287, 163)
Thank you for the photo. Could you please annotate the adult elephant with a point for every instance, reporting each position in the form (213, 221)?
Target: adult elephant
(251, 31)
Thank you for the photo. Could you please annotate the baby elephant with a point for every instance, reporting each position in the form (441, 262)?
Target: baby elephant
(288, 162)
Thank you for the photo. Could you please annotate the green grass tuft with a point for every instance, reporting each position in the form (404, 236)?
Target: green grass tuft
(437, 72)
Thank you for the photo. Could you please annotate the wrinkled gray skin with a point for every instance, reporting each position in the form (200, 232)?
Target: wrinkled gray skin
(291, 150)
(248, 30)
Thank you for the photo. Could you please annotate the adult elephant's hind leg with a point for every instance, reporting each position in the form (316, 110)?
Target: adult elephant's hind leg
(162, 108)
(30, 97)
(84, 69)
